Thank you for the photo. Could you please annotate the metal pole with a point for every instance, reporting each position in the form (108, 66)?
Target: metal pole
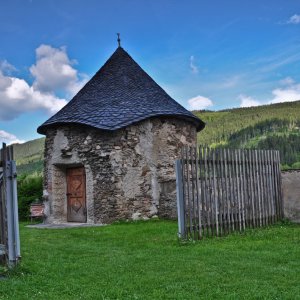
(180, 199)
(12, 215)
(3, 236)
(9, 210)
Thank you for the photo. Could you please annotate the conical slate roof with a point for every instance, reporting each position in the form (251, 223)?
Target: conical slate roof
(119, 94)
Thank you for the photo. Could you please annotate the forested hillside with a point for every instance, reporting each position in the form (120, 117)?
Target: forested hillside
(275, 126)
(29, 156)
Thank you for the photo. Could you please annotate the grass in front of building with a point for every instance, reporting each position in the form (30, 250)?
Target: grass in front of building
(145, 260)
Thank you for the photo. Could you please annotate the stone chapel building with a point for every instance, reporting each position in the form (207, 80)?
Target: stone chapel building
(110, 152)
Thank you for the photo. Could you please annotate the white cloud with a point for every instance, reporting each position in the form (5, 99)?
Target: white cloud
(9, 138)
(199, 103)
(287, 81)
(278, 63)
(230, 82)
(53, 73)
(247, 101)
(279, 95)
(193, 67)
(17, 97)
(6, 67)
(291, 93)
(295, 19)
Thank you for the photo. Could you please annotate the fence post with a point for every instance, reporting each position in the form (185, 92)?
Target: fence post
(280, 186)
(12, 214)
(15, 208)
(180, 199)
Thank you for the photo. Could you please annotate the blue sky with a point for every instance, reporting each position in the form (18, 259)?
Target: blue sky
(205, 54)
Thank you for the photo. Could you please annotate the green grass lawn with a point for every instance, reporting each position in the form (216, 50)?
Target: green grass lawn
(144, 260)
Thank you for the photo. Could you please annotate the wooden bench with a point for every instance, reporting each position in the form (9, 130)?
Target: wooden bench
(37, 210)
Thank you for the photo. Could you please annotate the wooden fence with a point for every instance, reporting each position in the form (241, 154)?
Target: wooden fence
(9, 224)
(224, 190)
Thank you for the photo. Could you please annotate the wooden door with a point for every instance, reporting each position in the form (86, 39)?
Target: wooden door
(76, 195)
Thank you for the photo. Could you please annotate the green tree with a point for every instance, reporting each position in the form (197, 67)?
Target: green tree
(30, 189)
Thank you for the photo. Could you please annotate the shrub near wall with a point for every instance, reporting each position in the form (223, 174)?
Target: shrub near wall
(30, 189)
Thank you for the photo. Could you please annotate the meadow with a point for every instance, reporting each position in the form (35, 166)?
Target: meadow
(145, 260)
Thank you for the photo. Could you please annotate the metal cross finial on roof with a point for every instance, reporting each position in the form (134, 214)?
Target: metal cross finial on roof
(119, 40)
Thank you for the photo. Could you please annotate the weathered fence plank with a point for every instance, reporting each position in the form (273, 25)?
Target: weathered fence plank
(198, 194)
(9, 233)
(276, 203)
(206, 193)
(253, 188)
(231, 191)
(223, 190)
(280, 186)
(273, 219)
(196, 203)
(226, 191)
(215, 197)
(180, 199)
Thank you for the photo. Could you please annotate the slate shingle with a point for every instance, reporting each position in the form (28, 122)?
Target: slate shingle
(119, 94)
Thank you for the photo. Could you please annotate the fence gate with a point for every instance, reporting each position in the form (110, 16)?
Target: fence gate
(225, 190)
(9, 224)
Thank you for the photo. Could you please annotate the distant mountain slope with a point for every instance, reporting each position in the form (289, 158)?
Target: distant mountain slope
(273, 126)
(29, 156)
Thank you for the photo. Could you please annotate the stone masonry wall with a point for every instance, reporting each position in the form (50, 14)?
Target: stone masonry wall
(130, 172)
(291, 194)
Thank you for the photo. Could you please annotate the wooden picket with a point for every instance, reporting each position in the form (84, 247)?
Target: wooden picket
(224, 190)
(9, 224)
